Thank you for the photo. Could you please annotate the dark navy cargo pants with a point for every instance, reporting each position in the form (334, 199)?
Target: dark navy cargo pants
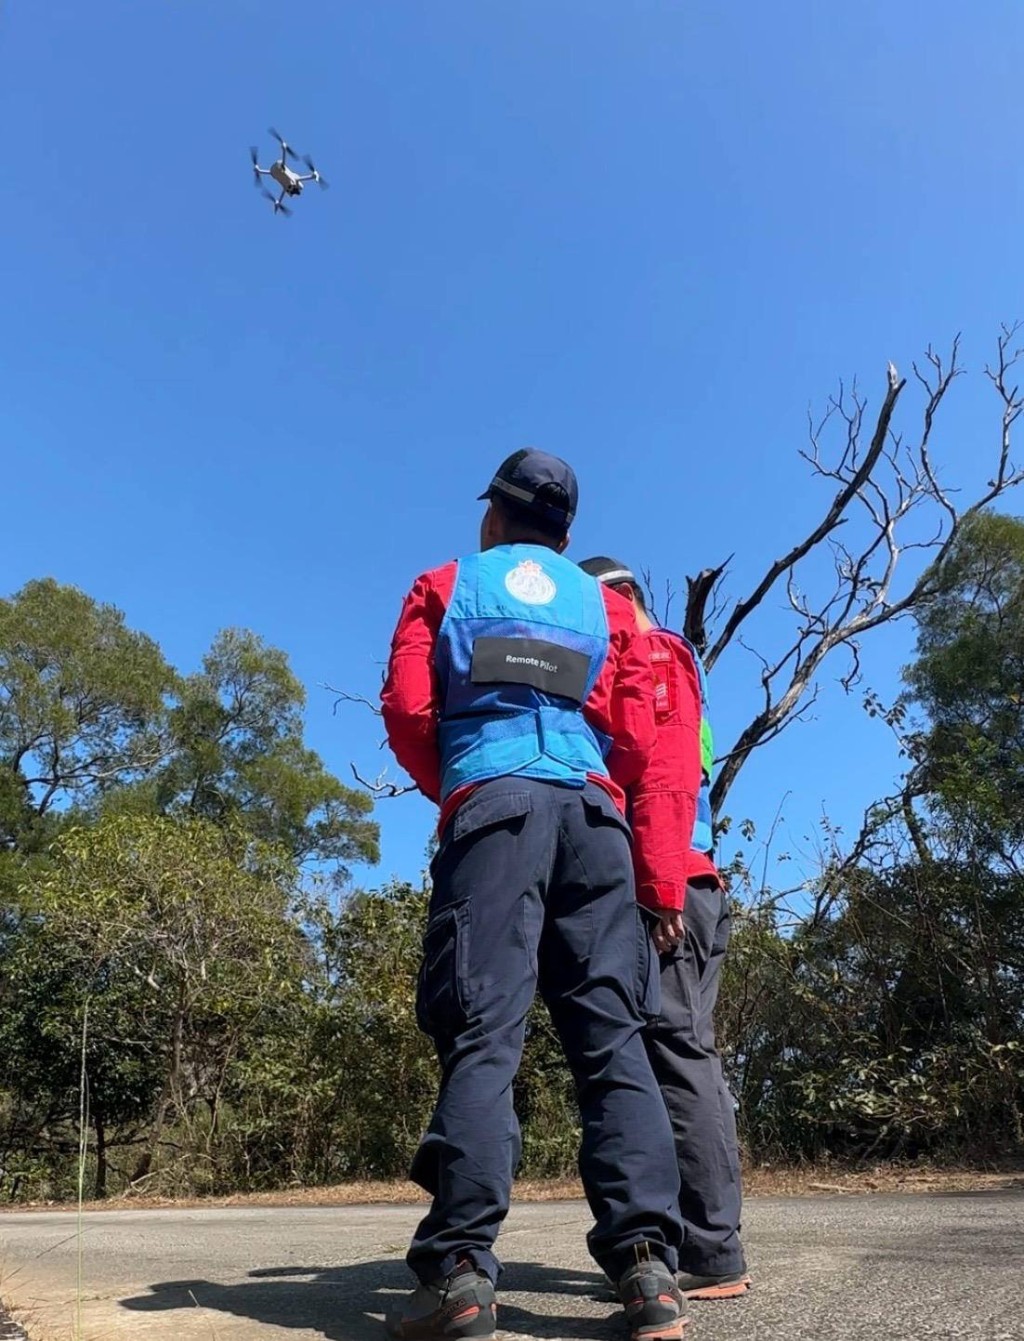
(533, 886)
(681, 1044)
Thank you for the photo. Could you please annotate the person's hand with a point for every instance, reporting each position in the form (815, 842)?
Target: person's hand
(668, 932)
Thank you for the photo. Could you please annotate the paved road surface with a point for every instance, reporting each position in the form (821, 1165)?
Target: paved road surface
(843, 1268)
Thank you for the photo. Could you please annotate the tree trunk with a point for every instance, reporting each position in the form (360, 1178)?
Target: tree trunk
(171, 1089)
(100, 1188)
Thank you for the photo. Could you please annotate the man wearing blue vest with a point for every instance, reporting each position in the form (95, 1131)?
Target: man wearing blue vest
(520, 699)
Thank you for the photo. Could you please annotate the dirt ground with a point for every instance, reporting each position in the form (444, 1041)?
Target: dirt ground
(760, 1181)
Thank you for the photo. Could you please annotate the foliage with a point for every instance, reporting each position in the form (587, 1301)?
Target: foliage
(153, 828)
(345, 1081)
(177, 935)
(81, 702)
(236, 752)
(969, 679)
(93, 720)
(250, 1027)
(889, 1027)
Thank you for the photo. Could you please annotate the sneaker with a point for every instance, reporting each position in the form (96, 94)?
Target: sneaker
(712, 1287)
(462, 1305)
(654, 1306)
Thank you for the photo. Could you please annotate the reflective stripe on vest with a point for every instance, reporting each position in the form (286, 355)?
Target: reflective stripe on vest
(519, 650)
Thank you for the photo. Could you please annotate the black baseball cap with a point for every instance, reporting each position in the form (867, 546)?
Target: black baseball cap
(609, 571)
(543, 484)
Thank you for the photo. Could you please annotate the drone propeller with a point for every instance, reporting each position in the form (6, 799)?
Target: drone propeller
(255, 163)
(277, 204)
(316, 176)
(286, 148)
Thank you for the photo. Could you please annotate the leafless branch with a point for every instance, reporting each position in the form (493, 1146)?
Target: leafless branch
(663, 613)
(877, 491)
(380, 786)
(746, 747)
(853, 480)
(707, 585)
(342, 696)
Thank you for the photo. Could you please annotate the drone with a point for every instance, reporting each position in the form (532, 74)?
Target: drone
(290, 181)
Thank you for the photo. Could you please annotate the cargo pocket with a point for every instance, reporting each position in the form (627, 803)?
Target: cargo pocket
(648, 970)
(440, 1001)
(602, 811)
(491, 807)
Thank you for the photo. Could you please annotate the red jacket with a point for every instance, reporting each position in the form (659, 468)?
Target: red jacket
(663, 803)
(620, 704)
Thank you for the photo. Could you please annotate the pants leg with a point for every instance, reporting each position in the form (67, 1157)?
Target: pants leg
(681, 1046)
(596, 962)
(477, 982)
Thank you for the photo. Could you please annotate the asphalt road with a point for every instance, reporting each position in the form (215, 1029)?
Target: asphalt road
(902, 1268)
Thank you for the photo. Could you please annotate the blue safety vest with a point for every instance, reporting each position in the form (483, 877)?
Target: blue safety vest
(703, 839)
(519, 650)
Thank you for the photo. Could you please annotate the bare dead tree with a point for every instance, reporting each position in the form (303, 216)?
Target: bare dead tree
(706, 586)
(891, 486)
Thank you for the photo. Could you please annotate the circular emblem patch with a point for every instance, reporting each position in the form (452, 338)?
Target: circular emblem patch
(528, 582)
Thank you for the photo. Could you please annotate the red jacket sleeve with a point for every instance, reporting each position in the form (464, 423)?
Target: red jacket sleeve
(663, 803)
(409, 700)
(621, 703)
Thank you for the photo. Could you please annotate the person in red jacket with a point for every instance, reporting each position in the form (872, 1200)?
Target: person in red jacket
(677, 880)
(519, 698)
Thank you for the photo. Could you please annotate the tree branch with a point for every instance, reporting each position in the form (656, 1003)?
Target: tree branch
(878, 491)
(699, 590)
(833, 517)
(341, 696)
(380, 786)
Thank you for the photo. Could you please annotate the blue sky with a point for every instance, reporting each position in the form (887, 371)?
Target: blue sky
(643, 235)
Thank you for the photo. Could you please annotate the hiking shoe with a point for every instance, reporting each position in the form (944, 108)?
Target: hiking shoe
(712, 1287)
(462, 1305)
(654, 1306)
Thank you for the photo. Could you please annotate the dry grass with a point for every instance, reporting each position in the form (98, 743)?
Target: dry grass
(761, 1181)
(36, 1330)
(767, 1181)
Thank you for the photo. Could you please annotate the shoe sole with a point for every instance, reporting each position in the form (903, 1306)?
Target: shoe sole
(471, 1323)
(669, 1331)
(673, 1332)
(733, 1290)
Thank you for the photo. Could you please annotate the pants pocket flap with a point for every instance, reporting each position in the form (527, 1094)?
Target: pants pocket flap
(487, 808)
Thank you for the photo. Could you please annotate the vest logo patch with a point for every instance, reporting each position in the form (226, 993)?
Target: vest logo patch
(549, 667)
(529, 583)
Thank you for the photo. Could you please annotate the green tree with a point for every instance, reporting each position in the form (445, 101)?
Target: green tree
(81, 704)
(198, 915)
(153, 830)
(236, 754)
(344, 1077)
(969, 680)
(46, 978)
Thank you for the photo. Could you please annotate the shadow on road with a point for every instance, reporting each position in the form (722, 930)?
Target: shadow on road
(346, 1303)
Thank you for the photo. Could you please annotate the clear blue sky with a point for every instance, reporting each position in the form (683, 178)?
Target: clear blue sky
(643, 235)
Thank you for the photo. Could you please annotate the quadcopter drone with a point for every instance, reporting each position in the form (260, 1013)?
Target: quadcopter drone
(290, 181)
